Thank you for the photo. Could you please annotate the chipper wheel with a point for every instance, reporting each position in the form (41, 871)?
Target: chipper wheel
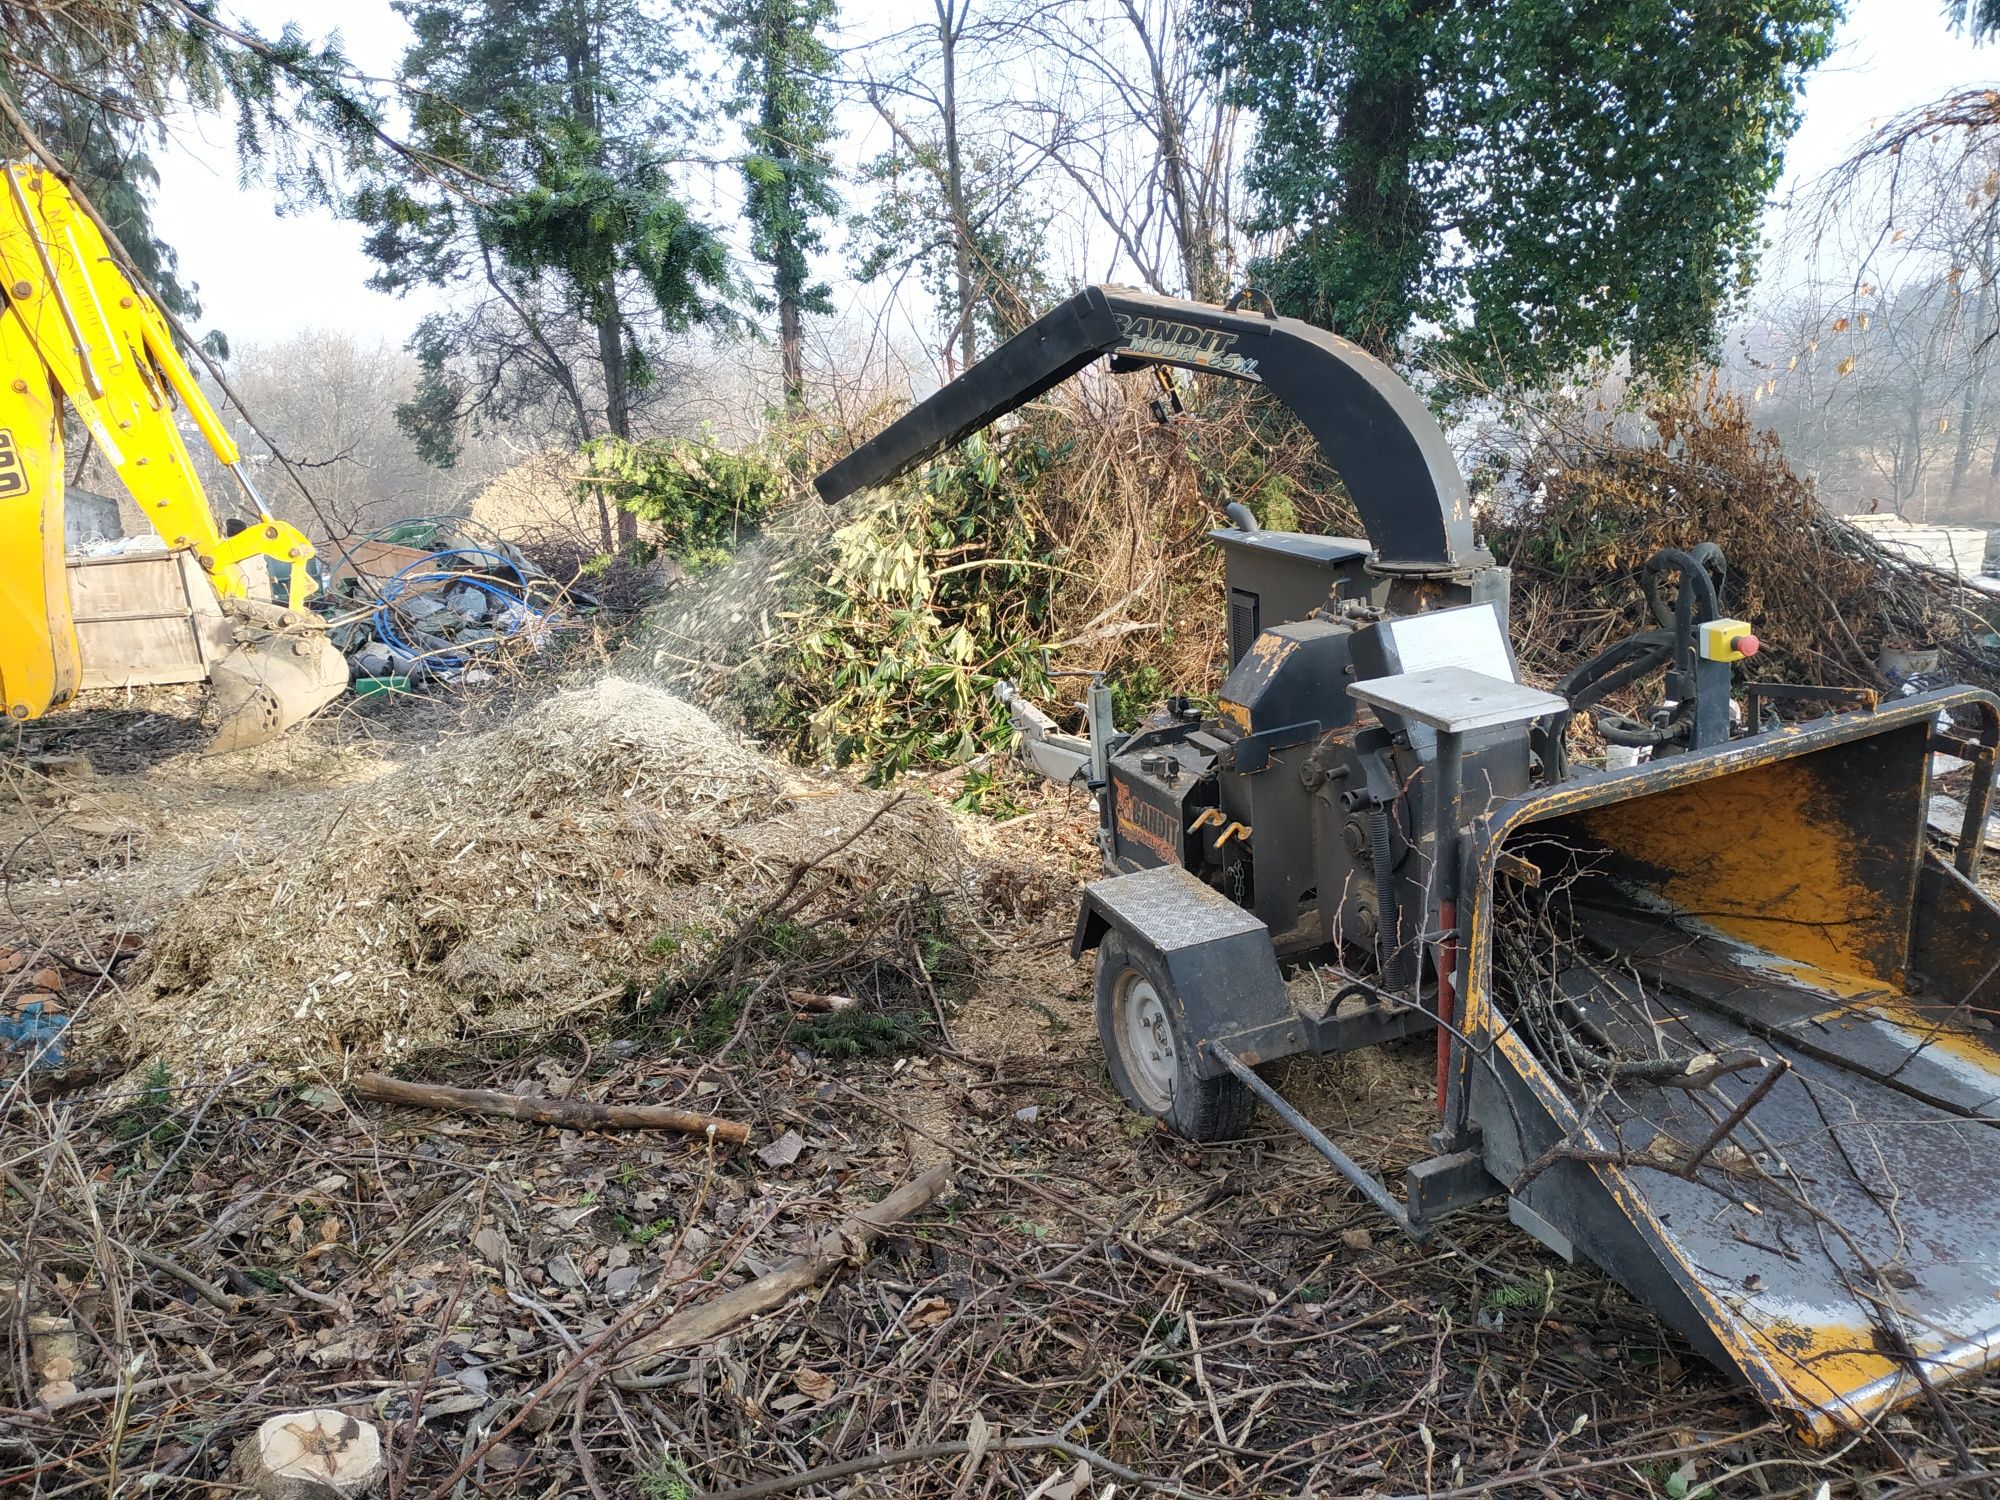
(1146, 1047)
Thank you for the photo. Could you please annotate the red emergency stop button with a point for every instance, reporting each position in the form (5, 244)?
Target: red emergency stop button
(1726, 640)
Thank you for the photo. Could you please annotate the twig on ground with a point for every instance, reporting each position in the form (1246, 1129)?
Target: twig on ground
(574, 1114)
(849, 1242)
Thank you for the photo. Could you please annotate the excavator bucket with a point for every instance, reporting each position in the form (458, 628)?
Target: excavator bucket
(147, 618)
(281, 669)
(1734, 1023)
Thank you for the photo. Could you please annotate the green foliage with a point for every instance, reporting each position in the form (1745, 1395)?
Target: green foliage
(848, 1035)
(1135, 692)
(934, 594)
(152, 1120)
(1978, 19)
(594, 226)
(715, 1022)
(645, 1234)
(1536, 180)
(699, 498)
(1522, 1296)
(986, 793)
(1271, 503)
(784, 93)
(95, 79)
(1675, 1481)
(667, 1478)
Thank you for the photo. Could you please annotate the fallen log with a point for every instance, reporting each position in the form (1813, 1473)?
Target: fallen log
(848, 1242)
(575, 1114)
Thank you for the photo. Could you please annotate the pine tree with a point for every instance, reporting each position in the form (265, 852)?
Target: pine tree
(574, 238)
(91, 83)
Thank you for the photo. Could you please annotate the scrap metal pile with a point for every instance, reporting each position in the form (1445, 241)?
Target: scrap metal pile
(437, 599)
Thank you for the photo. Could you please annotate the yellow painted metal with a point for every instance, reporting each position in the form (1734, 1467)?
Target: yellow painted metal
(108, 349)
(1716, 640)
(39, 664)
(73, 326)
(1768, 859)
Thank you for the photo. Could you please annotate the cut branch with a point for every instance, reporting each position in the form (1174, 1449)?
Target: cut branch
(849, 1242)
(575, 1114)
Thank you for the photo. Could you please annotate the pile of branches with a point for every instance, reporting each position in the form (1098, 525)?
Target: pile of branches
(1073, 541)
(1582, 502)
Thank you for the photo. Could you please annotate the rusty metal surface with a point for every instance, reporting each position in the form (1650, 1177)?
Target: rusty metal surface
(1850, 1224)
(1841, 1224)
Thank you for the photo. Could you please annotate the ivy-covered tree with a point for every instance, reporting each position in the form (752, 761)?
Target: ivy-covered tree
(573, 238)
(1530, 182)
(784, 96)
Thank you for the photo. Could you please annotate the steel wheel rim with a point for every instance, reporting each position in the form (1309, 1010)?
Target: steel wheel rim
(1146, 1038)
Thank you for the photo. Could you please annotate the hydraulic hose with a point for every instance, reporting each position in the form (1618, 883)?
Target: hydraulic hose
(1702, 571)
(1618, 665)
(1620, 729)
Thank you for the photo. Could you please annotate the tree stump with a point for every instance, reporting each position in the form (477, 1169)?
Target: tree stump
(311, 1455)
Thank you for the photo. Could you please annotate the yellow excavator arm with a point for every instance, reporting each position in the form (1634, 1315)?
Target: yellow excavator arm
(72, 326)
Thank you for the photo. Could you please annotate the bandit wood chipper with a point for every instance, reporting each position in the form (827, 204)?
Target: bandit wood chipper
(1721, 1021)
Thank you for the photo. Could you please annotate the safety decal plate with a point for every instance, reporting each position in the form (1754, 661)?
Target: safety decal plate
(13, 475)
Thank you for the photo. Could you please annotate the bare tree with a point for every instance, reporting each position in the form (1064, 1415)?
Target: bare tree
(955, 196)
(1875, 360)
(1134, 118)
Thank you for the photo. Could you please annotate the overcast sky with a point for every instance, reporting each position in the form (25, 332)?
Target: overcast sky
(263, 276)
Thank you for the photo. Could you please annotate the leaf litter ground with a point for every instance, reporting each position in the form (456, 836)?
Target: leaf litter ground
(200, 1228)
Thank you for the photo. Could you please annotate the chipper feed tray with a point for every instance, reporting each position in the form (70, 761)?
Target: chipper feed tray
(1754, 1074)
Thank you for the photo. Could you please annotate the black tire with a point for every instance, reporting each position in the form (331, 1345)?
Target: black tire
(1194, 1108)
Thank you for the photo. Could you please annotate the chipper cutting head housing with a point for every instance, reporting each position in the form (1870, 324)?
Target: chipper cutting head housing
(1721, 1022)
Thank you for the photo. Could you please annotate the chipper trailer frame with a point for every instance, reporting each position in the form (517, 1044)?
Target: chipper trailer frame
(1721, 1022)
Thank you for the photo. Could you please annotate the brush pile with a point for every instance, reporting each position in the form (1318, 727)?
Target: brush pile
(1594, 500)
(1074, 540)
(610, 841)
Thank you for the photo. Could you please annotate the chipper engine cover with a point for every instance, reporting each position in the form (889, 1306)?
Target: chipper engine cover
(1722, 1022)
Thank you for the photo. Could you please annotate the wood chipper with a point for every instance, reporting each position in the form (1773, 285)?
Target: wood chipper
(1721, 1021)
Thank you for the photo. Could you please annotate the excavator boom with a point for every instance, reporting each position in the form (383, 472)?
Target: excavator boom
(73, 327)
